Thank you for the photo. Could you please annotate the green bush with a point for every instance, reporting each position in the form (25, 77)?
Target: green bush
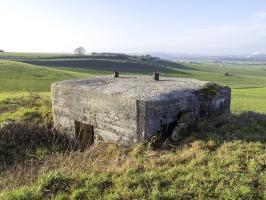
(55, 183)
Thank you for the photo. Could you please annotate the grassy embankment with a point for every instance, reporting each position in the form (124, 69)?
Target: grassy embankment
(221, 159)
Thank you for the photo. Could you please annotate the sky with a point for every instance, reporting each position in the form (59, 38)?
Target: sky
(213, 27)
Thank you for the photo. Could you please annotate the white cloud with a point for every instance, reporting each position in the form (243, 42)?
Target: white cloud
(259, 17)
(242, 38)
(235, 39)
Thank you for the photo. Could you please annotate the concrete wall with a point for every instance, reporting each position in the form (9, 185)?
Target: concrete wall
(111, 117)
(161, 116)
(215, 105)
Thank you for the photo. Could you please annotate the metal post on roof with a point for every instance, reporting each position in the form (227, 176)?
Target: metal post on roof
(156, 76)
(116, 74)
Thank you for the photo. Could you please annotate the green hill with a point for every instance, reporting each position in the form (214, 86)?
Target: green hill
(17, 76)
(36, 72)
(104, 63)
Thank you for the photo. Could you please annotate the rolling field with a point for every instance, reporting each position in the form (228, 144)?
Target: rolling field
(35, 72)
(16, 77)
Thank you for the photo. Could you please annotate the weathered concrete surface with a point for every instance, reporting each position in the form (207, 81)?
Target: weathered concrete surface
(132, 108)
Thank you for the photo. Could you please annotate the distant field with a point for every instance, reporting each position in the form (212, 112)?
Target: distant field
(22, 55)
(238, 77)
(36, 72)
(17, 77)
(253, 99)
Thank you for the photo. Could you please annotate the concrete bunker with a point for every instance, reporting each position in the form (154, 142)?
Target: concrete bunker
(130, 109)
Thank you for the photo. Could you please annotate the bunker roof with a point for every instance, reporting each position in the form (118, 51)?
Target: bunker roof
(134, 86)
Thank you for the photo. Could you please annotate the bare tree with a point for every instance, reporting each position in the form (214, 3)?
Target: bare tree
(80, 51)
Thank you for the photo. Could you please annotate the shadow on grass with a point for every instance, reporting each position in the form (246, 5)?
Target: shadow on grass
(103, 65)
(20, 142)
(247, 126)
(176, 65)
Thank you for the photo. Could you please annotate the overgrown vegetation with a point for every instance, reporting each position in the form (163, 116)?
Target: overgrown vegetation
(222, 158)
(29, 107)
(209, 90)
(22, 142)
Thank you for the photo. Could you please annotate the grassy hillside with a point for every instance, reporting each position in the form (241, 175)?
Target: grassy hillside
(252, 76)
(101, 65)
(17, 76)
(247, 79)
(106, 64)
(221, 159)
(22, 55)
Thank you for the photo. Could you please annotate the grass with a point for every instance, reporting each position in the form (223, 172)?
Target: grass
(249, 100)
(23, 55)
(16, 76)
(222, 158)
(240, 77)
(102, 65)
(28, 107)
(227, 162)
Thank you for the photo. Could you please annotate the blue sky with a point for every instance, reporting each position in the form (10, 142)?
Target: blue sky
(132, 26)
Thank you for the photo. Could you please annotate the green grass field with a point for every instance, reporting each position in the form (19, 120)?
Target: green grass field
(16, 77)
(221, 158)
(239, 77)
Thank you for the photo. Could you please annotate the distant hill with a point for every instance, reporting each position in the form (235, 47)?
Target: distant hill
(36, 72)
(100, 62)
(198, 57)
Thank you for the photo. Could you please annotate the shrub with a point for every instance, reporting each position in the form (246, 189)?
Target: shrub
(210, 89)
(54, 184)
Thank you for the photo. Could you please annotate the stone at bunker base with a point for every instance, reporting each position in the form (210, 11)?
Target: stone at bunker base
(130, 109)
